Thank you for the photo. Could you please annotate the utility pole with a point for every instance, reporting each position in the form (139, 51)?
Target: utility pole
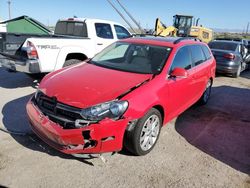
(9, 2)
(247, 28)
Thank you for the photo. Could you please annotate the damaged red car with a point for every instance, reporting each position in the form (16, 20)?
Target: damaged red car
(123, 96)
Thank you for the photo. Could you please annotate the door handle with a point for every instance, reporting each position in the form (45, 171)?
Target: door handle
(99, 44)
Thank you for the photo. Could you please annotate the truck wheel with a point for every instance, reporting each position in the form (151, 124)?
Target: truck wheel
(36, 76)
(10, 70)
(71, 62)
(237, 74)
(142, 139)
(205, 97)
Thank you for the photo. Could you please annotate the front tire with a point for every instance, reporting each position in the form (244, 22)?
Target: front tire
(142, 139)
(71, 62)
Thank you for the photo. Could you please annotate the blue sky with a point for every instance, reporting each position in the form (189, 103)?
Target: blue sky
(212, 13)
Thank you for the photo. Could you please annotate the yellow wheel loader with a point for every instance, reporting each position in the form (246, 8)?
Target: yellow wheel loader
(183, 27)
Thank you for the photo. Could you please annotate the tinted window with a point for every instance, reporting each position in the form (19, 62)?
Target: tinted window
(231, 46)
(71, 28)
(61, 28)
(206, 52)
(197, 54)
(121, 32)
(103, 31)
(80, 29)
(182, 59)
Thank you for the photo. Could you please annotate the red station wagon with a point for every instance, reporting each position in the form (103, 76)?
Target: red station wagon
(122, 96)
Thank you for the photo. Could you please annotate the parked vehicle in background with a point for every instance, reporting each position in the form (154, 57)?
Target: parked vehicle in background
(245, 48)
(3, 28)
(125, 94)
(231, 56)
(75, 40)
(248, 45)
(17, 30)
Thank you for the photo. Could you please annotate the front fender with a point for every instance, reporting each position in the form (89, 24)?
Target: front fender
(142, 99)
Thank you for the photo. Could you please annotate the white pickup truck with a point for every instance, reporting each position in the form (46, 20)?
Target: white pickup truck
(75, 40)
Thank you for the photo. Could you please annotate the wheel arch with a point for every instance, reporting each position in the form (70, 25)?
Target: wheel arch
(79, 56)
(161, 110)
(67, 53)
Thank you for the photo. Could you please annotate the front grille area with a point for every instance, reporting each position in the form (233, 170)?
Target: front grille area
(57, 112)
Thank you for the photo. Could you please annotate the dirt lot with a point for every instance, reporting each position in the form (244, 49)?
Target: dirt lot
(207, 146)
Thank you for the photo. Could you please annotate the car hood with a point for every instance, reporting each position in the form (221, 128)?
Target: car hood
(85, 85)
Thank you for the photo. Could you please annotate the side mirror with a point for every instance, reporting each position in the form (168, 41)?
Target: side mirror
(179, 73)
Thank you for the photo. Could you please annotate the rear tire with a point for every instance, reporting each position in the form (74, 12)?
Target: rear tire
(142, 139)
(71, 62)
(237, 74)
(206, 95)
(36, 76)
(10, 70)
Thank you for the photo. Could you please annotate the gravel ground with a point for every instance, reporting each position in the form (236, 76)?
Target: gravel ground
(206, 146)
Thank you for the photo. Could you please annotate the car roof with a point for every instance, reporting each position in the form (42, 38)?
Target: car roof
(162, 41)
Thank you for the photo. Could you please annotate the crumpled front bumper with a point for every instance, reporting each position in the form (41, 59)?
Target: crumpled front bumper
(105, 136)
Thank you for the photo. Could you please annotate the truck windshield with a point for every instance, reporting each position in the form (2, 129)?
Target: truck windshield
(231, 46)
(131, 57)
(71, 28)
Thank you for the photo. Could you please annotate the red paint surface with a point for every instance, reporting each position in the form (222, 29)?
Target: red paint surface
(86, 85)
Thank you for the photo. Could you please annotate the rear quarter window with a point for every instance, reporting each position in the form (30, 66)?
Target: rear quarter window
(198, 56)
(206, 52)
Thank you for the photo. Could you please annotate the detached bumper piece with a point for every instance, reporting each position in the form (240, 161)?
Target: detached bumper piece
(54, 123)
(21, 65)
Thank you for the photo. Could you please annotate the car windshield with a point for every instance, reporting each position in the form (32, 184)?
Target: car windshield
(223, 45)
(131, 57)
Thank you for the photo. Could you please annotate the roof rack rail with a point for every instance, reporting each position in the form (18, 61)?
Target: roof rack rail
(146, 34)
(186, 38)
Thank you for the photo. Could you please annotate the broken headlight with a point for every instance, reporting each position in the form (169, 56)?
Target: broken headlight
(111, 109)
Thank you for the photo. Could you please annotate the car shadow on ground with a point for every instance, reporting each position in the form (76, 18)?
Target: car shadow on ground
(12, 80)
(222, 127)
(16, 123)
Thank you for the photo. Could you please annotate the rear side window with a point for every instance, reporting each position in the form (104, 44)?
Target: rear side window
(121, 32)
(206, 52)
(197, 55)
(78, 29)
(103, 31)
(182, 59)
